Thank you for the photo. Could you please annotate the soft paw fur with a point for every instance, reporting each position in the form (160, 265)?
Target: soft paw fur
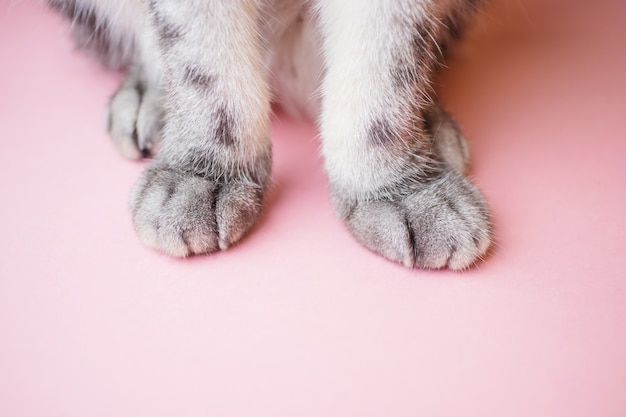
(182, 214)
(441, 223)
(448, 142)
(434, 222)
(134, 118)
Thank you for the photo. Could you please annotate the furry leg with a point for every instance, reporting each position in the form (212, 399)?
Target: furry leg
(395, 189)
(205, 188)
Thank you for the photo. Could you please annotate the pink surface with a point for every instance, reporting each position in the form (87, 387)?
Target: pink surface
(299, 320)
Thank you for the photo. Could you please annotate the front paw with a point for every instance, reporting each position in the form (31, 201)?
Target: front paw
(181, 214)
(441, 223)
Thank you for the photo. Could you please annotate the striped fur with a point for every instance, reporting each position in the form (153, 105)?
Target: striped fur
(201, 77)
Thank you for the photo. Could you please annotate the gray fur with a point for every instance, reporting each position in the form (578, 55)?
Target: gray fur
(98, 32)
(201, 78)
(442, 223)
(182, 214)
(135, 117)
(448, 141)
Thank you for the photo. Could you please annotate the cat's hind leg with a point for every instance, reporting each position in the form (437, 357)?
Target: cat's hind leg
(448, 142)
(134, 115)
(114, 31)
(107, 29)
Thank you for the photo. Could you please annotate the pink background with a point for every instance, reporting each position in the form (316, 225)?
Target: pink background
(300, 320)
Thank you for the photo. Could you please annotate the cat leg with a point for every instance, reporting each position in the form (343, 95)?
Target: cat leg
(400, 194)
(104, 28)
(205, 188)
(113, 31)
(448, 142)
(134, 116)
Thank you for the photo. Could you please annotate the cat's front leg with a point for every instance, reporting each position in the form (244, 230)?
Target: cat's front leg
(205, 188)
(400, 192)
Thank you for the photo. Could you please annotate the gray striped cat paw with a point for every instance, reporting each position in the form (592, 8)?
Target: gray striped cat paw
(443, 223)
(182, 214)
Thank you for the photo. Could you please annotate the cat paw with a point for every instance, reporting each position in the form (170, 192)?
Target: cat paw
(183, 214)
(448, 141)
(134, 118)
(442, 223)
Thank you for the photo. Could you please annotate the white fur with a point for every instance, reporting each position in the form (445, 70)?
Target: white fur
(360, 40)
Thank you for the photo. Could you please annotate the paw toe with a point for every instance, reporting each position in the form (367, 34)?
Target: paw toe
(381, 227)
(237, 207)
(451, 223)
(172, 212)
